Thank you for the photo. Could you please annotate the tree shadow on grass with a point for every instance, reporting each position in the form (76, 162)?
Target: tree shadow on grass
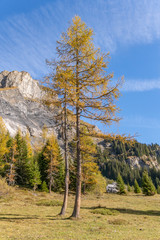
(12, 217)
(59, 217)
(128, 211)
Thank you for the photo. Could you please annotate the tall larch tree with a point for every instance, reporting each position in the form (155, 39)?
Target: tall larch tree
(90, 89)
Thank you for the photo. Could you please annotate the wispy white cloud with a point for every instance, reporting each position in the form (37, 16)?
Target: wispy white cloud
(124, 21)
(135, 21)
(141, 85)
(26, 40)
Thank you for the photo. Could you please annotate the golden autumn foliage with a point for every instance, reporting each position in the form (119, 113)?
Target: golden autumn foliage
(3, 139)
(11, 173)
(89, 167)
(80, 73)
(29, 147)
(90, 175)
(80, 78)
(51, 155)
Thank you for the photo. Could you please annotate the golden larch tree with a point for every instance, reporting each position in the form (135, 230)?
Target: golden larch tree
(81, 70)
(51, 155)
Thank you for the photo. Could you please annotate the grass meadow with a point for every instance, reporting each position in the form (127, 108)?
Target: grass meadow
(27, 216)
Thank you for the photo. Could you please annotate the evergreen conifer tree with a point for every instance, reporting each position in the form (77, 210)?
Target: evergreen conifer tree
(121, 185)
(136, 187)
(50, 163)
(147, 185)
(60, 177)
(23, 168)
(128, 188)
(35, 177)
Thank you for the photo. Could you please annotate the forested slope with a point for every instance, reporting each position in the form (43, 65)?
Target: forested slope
(129, 159)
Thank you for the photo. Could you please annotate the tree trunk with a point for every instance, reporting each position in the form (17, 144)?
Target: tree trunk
(64, 207)
(50, 177)
(76, 211)
(83, 178)
(50, 186)
(84, 188)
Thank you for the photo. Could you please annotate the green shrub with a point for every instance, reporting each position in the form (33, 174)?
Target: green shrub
(104, 211)
(100, 187)
(49, 203)
(44, 187)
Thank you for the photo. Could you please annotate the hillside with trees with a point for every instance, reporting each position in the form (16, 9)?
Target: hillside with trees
(130, 159)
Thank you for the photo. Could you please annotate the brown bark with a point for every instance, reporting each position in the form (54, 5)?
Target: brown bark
(76, 210)
(65, 201)
(50, 179)
(50, 185)
(84, 188)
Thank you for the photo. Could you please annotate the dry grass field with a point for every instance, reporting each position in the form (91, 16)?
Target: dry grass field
(27, 216)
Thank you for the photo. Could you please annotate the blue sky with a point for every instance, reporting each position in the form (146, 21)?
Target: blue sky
(128, 29)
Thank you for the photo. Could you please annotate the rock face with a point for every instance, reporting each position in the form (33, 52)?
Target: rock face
(21, 107)
(27, 86)
(141, 162)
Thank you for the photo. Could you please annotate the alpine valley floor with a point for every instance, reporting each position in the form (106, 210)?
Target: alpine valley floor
(28, 216)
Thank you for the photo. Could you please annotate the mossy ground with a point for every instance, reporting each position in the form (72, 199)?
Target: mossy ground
(27, 216)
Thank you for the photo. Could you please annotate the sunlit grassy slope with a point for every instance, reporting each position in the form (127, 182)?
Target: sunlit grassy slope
(26, 216)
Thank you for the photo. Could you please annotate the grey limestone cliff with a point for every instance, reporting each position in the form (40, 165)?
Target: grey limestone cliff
(27, 86)
(21, 107)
